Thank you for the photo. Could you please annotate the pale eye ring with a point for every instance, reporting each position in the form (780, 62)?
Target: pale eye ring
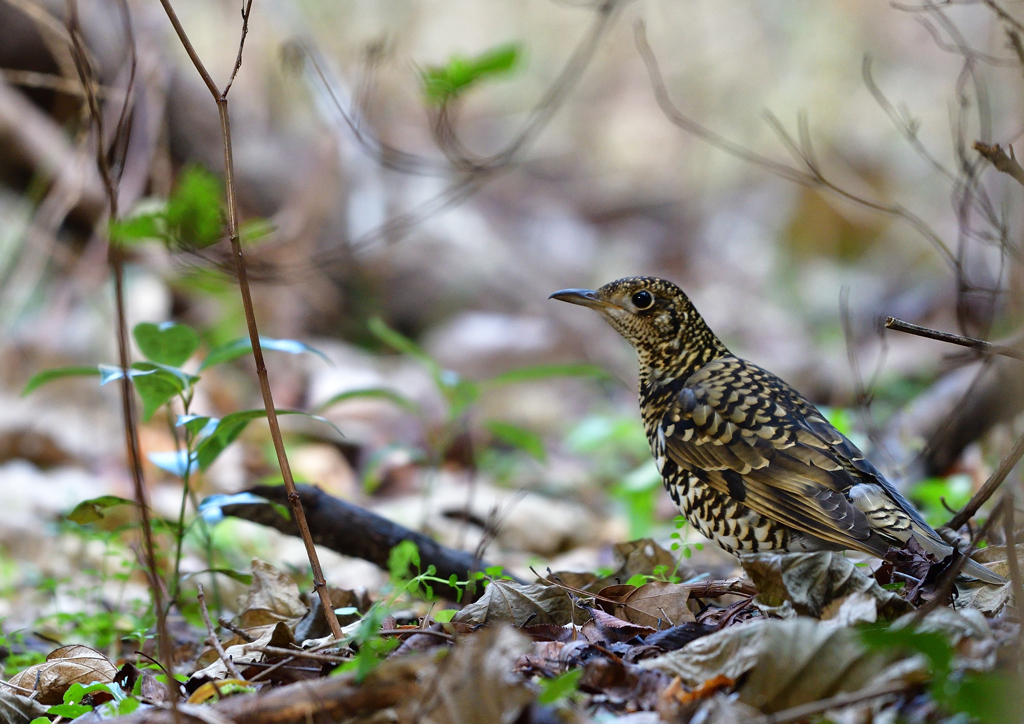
(642, 299)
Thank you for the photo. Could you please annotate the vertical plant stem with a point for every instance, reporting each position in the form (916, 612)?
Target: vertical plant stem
(221, 98)
(111, 180)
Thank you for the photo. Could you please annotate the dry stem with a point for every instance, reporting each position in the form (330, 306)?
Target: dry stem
(221, 98)
(111, 179)
(212, 638)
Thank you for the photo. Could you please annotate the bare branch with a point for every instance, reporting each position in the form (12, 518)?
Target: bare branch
(812, 177)
(998, 157)
(250, 315)
(981, 345)
(246, 9)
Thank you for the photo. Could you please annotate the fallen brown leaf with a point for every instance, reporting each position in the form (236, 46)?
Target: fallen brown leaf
(63, 667)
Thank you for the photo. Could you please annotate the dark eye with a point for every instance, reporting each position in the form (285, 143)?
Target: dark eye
(643, 299)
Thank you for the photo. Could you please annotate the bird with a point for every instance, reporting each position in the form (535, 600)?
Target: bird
(750, 462)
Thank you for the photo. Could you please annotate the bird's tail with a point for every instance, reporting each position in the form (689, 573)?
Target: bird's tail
(973, 569)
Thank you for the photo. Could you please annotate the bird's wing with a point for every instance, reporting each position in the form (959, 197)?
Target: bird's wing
(747, 433)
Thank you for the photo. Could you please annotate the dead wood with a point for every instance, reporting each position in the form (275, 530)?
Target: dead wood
(354, 531)
(329, 699)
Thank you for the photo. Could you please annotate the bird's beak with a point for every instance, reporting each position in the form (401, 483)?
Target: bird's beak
(583, 297)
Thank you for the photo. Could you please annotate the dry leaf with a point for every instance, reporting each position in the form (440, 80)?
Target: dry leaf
(17, 709)
(63, 667)
(985, 597)
(273, 591)
(811, 581)
(787, 662)
(519, 604)
(656, 604)
(246, 653)
(605, 628)
(477, 683)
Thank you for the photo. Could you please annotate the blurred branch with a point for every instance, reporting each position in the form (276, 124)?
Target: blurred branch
(981, 345)
(111, 176)
(810, 176)
(998, 157)
(1004, 16)
(471, 171)
(44, 147)
(221, 99)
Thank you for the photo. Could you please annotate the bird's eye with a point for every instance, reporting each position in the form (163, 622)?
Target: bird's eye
(643, 299)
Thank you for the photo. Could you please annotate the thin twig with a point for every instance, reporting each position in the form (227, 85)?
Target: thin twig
(989, 488)
(811, 176)
(1007, 163)
(979, 344)
(26, 692)
(246, 9)
(220, 97)
(805, 711)
(212, 638)
(298, 654)
(236, 630)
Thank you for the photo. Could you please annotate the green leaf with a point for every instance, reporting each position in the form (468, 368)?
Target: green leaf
(401, 558)
(930, 492)
(167, 343)
(398, 341)
(518, 437)
(560, 687)
(442, 83)
(380, 393)
(991, 697)
(90, 511)
(136, 228)
(547, 372)
(176, 462)
(254, 229)
(69, 711)
(638, 580)
(194, 215)
(41, 378)
(197, 424)
(240, 576)
(111, 373)
(158, 384)
(231, 426)
(444, 616)
(40, 720)
(934, 645)
(123, 707)
(242, 346)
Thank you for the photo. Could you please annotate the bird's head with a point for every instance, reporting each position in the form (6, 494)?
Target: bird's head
(657, 318)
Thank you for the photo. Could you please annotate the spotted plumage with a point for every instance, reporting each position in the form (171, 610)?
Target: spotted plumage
(750, 462)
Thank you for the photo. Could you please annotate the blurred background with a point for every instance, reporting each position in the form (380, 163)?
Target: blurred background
(813, 175)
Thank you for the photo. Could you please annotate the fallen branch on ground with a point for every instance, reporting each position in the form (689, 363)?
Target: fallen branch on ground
(354, 531)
